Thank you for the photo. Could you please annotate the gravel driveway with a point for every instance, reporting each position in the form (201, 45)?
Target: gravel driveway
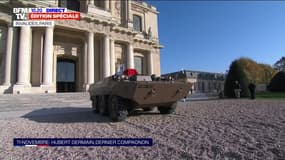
(213, 129)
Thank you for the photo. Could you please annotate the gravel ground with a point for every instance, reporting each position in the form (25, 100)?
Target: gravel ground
(214, 129)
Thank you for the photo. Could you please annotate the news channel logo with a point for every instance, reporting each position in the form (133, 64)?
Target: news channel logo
(41, 17)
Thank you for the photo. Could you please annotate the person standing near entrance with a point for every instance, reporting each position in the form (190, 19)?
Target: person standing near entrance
(237, 89)
(251, 88)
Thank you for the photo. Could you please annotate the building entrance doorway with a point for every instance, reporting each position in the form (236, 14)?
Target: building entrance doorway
(65, 75)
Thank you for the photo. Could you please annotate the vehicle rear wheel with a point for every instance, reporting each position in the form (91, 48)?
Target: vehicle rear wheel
(117, 109)
(167, 109)
(95, 107)
(102, 107)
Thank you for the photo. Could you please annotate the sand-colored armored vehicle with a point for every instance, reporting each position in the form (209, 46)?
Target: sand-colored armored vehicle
(119, 95)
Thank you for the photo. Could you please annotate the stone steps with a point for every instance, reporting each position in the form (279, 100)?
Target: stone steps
(24, 101)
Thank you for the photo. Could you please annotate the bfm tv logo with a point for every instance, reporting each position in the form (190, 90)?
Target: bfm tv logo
(41, 16)
(20, 13)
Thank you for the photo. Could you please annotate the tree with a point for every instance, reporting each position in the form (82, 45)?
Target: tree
(280, 64)
(267, 73)
(236, 73)
(277, 83)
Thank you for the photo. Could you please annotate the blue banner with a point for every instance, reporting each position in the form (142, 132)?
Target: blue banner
(59, 142)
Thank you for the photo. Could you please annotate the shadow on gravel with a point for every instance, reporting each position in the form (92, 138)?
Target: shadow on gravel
(201, 99)
(65, 115)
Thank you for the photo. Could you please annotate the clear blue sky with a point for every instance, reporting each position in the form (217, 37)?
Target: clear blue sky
(209, 35)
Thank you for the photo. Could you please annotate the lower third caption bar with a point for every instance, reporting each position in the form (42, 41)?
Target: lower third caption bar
(58, 142)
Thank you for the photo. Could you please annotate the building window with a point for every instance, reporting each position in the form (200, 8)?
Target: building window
(121, 55)
(138, 64)
(62, 3)
(118, 63)
(100, 4)
(137, 20)
(72, 5)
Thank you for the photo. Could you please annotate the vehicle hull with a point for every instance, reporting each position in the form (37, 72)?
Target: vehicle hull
(142, 93)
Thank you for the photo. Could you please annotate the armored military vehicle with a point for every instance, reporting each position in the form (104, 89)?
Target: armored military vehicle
(121, 94)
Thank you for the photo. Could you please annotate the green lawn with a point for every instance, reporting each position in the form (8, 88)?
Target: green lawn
(273, 95)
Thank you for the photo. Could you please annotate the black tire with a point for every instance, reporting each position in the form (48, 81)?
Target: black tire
(167, 109)
(102, 105)
(95, 106)
(117, 109)
(148, 109)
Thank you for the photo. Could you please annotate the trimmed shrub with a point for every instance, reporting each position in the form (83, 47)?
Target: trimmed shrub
(236, 73)
(257, 73)
(277, 83)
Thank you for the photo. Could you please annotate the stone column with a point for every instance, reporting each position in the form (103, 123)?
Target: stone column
(130, 56)
(106, 56)
(48, 57)
(150, 64)
(90, 59)
(85, 63)
(24, 58)
(91, 2)
(8, 60)
(129, 13)
(107, 5)
(112, 57)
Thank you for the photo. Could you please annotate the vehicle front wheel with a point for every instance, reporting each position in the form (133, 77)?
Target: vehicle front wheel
(95, 107)
(167, 109)
(117, 109)
(102, 105)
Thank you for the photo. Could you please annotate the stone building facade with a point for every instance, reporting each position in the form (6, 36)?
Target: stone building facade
(203, 82)
(74, 54)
